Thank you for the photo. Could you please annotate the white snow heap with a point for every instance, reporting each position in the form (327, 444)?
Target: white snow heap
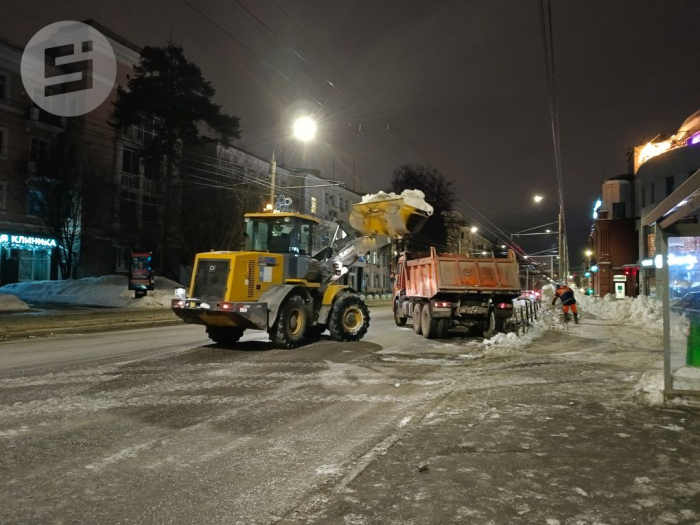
(11, 303)
(108, 290)
(415, 198)
(642, 311)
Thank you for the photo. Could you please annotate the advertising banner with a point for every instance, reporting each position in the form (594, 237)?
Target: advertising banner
(141, 271)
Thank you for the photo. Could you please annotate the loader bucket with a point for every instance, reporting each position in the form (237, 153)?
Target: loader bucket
(391, 217)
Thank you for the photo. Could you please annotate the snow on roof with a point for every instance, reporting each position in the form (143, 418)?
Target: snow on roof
(415, 198)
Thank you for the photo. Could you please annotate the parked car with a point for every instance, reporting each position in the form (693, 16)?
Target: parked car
(690, 301)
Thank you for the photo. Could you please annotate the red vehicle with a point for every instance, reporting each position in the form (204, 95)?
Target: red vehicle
(443, 291)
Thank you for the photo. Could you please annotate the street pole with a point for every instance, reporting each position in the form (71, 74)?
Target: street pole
(561, 250)
(273, 171)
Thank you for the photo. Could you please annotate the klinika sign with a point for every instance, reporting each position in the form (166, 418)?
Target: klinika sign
(29, 242)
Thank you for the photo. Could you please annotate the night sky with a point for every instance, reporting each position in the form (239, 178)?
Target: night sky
(458, 84)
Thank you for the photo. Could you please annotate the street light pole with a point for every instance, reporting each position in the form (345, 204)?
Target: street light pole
(273, 172)
(562, 267)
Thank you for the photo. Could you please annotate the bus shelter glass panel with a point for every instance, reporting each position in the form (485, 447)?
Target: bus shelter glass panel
(684, 290)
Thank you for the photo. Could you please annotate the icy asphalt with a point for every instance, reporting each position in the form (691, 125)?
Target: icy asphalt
(158, 426)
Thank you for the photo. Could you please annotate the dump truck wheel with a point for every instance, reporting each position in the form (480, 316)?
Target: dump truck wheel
(400, 321)
(349, 319)
(224, 335)
(292, 323)
(416, 318)
(443, 327)
(428, 325)
(495, 326)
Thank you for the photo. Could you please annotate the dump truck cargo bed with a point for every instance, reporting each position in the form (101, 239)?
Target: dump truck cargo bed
(428, 276)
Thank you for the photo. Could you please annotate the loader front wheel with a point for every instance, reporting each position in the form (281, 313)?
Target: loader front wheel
(224, 335)
(349, 319)
(292, 323)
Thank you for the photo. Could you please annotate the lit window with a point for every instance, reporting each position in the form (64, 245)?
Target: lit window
(314, 205)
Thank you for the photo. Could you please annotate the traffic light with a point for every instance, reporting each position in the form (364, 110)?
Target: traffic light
(594, 268)
(587, 274)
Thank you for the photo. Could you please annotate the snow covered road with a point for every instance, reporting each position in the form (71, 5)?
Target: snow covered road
(157, 426)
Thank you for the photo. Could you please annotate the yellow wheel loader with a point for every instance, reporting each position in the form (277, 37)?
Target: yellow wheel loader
(276, 284)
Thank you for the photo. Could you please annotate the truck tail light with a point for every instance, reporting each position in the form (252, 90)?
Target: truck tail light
(504, 306)
(177, 303)
(227, 306)
(442, 304)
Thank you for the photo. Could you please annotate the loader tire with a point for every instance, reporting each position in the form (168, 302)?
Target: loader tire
(400, 321)
(416, 318)
(290, 329)
(349, 318)
(225, 335)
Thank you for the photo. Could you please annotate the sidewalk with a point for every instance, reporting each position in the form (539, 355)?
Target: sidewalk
(551, 435)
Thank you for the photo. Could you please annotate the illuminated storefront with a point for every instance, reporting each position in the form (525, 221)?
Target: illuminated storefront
(26, 258)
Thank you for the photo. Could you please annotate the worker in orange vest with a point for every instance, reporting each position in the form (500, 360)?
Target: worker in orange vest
(566, 295)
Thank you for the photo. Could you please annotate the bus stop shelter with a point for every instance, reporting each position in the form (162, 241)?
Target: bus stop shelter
(676, 260)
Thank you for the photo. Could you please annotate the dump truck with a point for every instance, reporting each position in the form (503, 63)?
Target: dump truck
(439, 292)
(278, 285)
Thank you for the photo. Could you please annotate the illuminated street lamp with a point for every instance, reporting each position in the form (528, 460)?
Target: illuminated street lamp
(538, 198)
(474, 229)
(304, 129)
(589, 253)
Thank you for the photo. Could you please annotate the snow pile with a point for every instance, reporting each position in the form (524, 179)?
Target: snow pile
(415, 198)
(650, 389)
(108, 290)
(641, 311)
(11, 303)
(547, 319)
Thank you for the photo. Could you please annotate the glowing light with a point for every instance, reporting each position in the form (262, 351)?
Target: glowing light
(647, 263)
(304, 129)
(695, 139)
(658, 261)
(268, 207)
(548, 231)
(589, 253)
(538, 198)
(597, 206)
(594, 268)
(474, 229)
(689, 261)
(484, 253)
(503, 246)
(27, 243)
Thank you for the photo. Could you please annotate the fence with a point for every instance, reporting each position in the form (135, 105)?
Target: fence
(523, 317)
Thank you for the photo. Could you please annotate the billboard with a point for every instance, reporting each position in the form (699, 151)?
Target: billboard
(141, 275)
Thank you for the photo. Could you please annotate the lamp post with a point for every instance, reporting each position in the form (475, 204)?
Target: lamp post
(305, 130)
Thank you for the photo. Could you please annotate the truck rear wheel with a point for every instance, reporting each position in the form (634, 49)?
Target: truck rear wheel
(400, 321)
(290, 329)
(224, 335)
(428, 324)
(349, 319)
(417, 318)
(495, 326)
(443, 326)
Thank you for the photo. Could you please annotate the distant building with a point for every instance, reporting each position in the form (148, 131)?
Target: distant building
(613, 264)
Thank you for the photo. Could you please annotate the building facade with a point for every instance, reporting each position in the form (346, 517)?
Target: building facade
(613, 263)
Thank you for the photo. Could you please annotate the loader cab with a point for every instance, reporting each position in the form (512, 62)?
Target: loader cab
(280, 233)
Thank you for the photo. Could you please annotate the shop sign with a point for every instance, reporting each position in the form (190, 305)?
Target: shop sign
(23, 241)
(620, 278)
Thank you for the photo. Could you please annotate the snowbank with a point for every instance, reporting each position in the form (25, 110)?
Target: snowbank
(108, 290)
(11, 303)
(415, 198)
(547, 319)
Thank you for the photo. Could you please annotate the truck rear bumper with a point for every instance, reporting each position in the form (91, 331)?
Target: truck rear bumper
(241, 315)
